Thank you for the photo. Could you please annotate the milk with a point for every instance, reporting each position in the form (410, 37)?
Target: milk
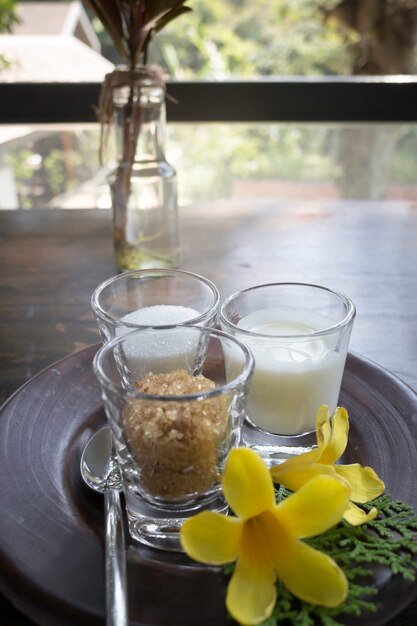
(165, 350)
(293, 375)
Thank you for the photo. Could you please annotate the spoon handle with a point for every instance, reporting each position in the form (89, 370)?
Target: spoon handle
(116, 591)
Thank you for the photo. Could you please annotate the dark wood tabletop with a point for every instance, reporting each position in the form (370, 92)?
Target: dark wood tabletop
(51, 261)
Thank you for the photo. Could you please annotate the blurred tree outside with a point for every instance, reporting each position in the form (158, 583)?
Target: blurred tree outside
(245, 39)
(53, 164)
(302, 37)
(7, 15)
(224, 38)
(8, 18)
(386, 35)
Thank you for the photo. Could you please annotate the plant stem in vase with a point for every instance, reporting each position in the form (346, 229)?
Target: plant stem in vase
(143, 184)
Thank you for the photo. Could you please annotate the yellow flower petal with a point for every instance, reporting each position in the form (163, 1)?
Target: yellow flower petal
(210, 537)
(323, 433)
(251, 593)
(296, 476)
(313, 577)
(316, 506)
(323, 429)
(337, 443)
(308, 574)
(247, 484)
(364, 483)
(304, 458)
(356, 516)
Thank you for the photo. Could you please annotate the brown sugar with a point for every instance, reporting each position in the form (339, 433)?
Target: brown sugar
(176, 445)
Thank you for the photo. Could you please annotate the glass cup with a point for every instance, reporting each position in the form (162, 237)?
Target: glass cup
(299, 336)
(153, 297)
(175, 411)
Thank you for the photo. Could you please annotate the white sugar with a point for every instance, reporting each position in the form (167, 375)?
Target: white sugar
(165, 350)
(160, 315)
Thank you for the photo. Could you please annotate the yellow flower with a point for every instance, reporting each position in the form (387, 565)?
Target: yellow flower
(332, 439)
(264, 539)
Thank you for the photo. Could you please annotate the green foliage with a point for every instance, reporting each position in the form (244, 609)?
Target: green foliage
(387, 542)
(221, 154)
(403, 168)
(54, 164)
(245, 38)
(8, 19)
(62, 165)
(18, 159)
(8, 15)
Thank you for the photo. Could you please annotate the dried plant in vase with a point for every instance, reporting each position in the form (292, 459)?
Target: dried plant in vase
(143, 184)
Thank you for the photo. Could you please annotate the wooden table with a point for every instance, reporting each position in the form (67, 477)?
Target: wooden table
(51, 261)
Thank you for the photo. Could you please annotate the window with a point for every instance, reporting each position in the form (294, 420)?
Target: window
(253, 133)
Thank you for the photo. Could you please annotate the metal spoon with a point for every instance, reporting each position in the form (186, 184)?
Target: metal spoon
(101, 473)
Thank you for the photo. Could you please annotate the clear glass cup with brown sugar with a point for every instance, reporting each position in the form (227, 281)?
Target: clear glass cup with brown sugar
(175, 411)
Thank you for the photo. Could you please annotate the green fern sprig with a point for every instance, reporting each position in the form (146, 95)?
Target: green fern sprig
(389, 541)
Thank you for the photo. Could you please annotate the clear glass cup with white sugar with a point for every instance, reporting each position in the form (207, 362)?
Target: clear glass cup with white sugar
(299, 336)
(153, 298)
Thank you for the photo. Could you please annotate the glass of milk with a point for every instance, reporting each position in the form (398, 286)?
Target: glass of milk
(153, 298)
(299, 336)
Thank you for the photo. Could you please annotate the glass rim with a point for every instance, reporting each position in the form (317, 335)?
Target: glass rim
(106, 317)
(328, 330)
(235, 383)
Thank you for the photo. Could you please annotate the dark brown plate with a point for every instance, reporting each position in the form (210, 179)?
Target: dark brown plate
(51, 525)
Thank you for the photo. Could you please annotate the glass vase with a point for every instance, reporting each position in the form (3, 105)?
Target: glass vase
(143, 184)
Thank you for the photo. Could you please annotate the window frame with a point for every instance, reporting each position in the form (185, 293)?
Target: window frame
(295, 99)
